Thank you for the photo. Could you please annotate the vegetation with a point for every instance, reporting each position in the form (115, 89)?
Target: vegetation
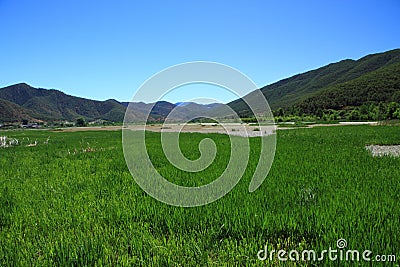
(335, 86)
(380, 87)
(68, 199)
(369, 111)
(81, 122)
(11, 112)
(203, 120)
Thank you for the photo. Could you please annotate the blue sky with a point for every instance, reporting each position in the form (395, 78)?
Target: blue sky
(107, 49)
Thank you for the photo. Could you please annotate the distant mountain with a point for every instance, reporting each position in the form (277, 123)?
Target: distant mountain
(181, 104)
(23, 101)
(161, 110)
(298, 88)
(212, 105)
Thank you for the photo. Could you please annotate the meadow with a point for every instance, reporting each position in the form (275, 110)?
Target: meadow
(71, 201)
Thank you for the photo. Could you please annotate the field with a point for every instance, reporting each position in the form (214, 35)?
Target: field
(71, 201)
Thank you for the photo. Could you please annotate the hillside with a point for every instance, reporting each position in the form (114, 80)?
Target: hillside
(382, 85)
(11, 112)
(298, 88)
(24, 101)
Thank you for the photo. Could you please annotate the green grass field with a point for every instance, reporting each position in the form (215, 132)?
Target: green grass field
(73, 202)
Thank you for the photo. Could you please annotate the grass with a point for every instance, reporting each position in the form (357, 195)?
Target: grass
(73, 202)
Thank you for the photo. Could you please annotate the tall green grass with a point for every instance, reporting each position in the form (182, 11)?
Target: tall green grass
(73, 202)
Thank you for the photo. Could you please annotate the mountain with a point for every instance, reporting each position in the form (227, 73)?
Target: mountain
(11, 112)
(382, 85)
(21, 101)
(374, 78)
(178, 112)
(181, 104)
(298, 88)
(212, 105)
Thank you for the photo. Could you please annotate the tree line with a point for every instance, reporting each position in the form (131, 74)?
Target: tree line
(369, 111)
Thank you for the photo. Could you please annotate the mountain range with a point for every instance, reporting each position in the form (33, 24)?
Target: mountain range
(22, 102)
(375, 75)
(373, 78)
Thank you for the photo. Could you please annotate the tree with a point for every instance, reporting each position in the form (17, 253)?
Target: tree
(396, 96)
(280, 112)
(391, 109)
(381, 111)
(396, 114)
(81, 122)
(354, 115)
(319, 113)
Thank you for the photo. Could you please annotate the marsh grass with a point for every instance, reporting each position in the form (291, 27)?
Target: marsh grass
(84, 209)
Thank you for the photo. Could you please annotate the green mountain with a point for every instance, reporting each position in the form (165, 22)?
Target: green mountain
(303, 87)
(11, 112)
(21, 101)
(382, 85)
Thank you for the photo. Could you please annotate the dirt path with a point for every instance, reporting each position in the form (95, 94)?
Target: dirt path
(227, 128)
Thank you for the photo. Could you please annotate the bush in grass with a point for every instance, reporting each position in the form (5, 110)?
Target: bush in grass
(81, 122)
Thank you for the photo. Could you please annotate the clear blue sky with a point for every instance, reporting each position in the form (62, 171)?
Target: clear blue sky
(107, 49)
